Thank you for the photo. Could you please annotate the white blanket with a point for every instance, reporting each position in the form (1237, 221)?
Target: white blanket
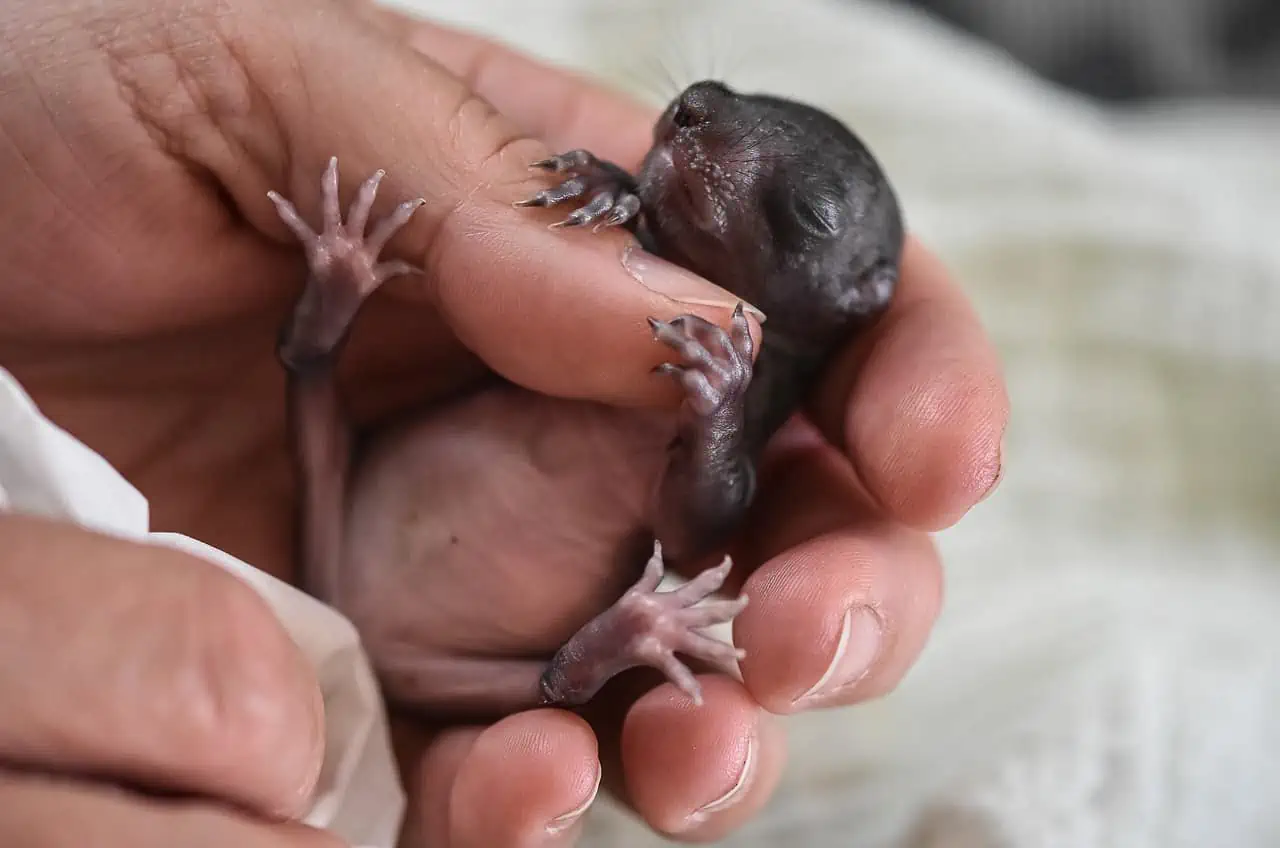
(1105, 672)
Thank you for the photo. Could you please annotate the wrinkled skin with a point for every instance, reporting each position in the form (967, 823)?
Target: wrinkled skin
(146, 276)
(770, 199)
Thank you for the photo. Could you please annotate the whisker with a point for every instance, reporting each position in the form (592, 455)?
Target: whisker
(673, 85)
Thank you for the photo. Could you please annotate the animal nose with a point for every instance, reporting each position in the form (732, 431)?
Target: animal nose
(698, 102)
(695, 107)
(688, 114)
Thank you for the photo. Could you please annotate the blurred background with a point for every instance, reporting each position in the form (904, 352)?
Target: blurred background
(1127, 50)
(1103, 178)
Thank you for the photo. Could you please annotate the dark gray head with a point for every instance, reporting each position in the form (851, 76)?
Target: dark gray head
(775, 201)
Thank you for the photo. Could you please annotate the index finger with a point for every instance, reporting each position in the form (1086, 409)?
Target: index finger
(145, 666)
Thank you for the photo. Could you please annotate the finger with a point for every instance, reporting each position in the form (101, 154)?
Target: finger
(566, 110)
(148, 666)
(920, 404)
(842, 602)
(429, 762)
(555, 311)
(55, 813)
(526, 781)
(698, 773)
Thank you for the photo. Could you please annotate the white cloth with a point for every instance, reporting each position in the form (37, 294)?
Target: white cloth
(1106, 669)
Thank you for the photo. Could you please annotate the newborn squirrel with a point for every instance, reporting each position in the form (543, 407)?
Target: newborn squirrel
(773, 200)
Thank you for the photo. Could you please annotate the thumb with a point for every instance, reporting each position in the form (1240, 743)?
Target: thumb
(559, 311)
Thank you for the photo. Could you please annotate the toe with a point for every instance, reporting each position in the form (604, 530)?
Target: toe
(712, 612)
(653, 571)
(358, 214)
(720, 654)
(704, 584)
(680, 675)
(289, 215)
(390, 225)
(329, 196)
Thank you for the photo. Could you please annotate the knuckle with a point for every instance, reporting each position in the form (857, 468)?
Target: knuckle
(180, 77)
(485, 151)
(486, 144)
(251, 703)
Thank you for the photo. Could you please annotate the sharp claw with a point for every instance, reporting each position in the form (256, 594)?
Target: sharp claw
(536, 200)
(741, 336)
(544, 165)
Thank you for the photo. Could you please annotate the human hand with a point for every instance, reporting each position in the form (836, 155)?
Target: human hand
(146, 291)
(145, 668)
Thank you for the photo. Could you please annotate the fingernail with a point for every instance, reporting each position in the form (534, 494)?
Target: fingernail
(735, 793)
(861, 634)
(561, 823)
(998, 475)
(668, 280)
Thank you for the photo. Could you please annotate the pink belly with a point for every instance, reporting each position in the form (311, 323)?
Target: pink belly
(501, 524)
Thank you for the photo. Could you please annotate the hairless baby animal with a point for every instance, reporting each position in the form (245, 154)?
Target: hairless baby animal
(773, 200)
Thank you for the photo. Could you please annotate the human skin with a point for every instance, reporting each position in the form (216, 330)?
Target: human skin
(146, 275)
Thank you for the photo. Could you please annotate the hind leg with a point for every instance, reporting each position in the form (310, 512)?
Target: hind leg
(343, 270)
(646, 627)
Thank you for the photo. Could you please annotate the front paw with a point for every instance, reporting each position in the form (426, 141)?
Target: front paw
(612, 190)
(715, 366)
